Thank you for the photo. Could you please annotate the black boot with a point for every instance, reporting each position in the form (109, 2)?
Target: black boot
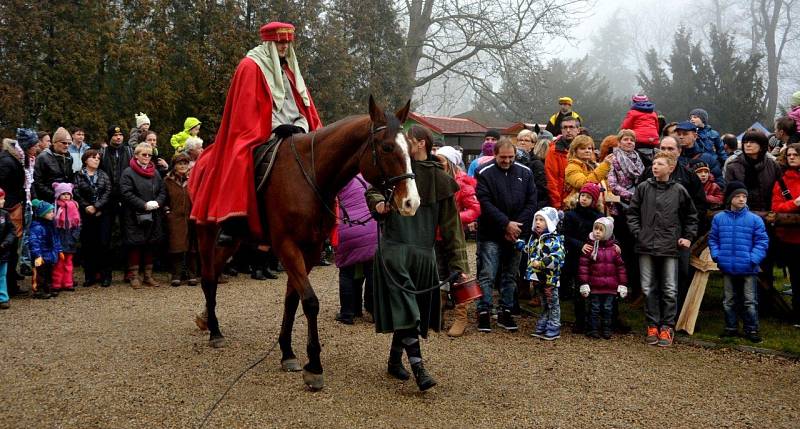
(424, 381)
(231, 230)
(395, 366)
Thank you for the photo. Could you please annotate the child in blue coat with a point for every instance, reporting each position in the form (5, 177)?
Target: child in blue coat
(45, 247)
(738, 243)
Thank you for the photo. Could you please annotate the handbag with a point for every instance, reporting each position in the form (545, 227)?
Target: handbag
(144, 218)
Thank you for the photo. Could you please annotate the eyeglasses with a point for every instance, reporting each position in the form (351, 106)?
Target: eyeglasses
(146, 155)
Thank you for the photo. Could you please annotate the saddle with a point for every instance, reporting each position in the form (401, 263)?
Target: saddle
(263, 159)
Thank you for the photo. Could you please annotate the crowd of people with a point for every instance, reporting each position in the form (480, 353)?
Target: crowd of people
(556, 214)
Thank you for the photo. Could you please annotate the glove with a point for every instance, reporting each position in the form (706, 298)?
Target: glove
(585, 290)
(151, 205)
(519, 245)
(60, 256)
(38, 261)
(286, 130)
(622, 291)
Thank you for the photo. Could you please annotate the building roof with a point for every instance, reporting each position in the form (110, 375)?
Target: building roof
(448, 125)
(488, 120)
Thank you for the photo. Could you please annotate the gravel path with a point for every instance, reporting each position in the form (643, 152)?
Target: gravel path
(119, 357)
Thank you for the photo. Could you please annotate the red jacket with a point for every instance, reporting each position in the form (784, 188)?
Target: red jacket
(781, 205)
(644, 124)
(714, 195)
(226, 167)
(555, 165)
(604, 274)
(469, 209)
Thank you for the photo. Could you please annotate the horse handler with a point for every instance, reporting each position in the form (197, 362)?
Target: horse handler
(405, 263)
(267, 96)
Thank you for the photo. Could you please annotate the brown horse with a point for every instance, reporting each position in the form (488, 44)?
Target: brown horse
(309, 170)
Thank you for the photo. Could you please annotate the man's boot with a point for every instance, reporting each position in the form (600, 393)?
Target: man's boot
(424, 380)
(459, 321)
(395, 366)
(133, 274)
(149, 280)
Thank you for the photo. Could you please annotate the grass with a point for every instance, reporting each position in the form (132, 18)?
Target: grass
(778, 335)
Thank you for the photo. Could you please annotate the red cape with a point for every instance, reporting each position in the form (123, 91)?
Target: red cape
(222, 183)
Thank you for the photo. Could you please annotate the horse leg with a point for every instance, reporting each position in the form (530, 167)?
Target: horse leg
(295, 263)
(289, 361)
(216, 338)
(212, 260)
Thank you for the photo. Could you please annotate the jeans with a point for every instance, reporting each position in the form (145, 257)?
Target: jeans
(494, 258)
(551, 307)
(351, 279)
(744, 288)
(601, 314)
(3, 283)
(659, 286)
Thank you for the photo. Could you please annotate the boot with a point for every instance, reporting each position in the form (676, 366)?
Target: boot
(459, 321)
(133, 275)
(395, 366)
(424, 381)
(149, 280)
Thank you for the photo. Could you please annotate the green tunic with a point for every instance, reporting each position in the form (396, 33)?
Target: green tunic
(406, 255)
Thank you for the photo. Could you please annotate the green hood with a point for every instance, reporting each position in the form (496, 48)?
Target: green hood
(190, 123)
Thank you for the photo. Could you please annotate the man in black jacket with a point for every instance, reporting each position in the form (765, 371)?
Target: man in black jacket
(53, 165)
(507, 194)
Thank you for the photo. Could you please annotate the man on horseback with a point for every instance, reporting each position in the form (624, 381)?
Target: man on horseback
(267, 99)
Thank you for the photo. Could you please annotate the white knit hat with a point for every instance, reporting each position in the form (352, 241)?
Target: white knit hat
(551, 218)
(141, 119)
(450, 153)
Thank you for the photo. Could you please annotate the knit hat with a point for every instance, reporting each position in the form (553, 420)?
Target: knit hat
(608, 225)
(41, 208)
(277, 32)
(700, 113)
(795, 100)
(639, 98)
(492, 133)
(62, 135)
(113, 130)
(696, 164)
(686, 126)
(141, 119)
(545, 135)
(450, 153)
(62, 188)
(732, 189)
(181, 157)
(551, 218)
(565, 100)
(26, 138)
(592, 189)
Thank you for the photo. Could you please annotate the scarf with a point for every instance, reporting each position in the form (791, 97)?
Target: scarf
(629, 162)
(268, 60)
(148, 171)
(751, 178)
(67, 214)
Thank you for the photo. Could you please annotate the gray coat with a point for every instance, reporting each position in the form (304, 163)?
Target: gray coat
(660, 214)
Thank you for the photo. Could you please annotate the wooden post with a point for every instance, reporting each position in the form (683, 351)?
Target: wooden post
(694, 297)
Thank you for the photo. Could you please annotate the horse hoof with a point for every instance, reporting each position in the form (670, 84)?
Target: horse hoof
(201, 322)
(291, 365)
(314, 382)
(217, 342)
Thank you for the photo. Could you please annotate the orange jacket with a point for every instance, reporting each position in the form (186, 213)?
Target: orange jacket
(555, 164)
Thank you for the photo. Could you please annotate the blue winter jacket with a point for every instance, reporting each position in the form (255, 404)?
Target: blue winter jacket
(505, 195)
(697, 152)
(712, 143)
(738, 242)
(44, 241)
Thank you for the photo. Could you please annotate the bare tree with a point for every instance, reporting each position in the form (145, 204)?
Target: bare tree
(772, 27)
(467, 37)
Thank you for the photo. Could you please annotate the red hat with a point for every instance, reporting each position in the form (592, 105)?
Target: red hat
(277, 32)
(593, 189)
(2, 193)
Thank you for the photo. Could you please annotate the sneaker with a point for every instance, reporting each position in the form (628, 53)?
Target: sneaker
(665, 337)
(606, 334)
(652, 335)
(541, 326)
(484, 322)
(5, 305)
(551, 334)
(753, 337)
(494, 314)
(506, 321)
(729, 333)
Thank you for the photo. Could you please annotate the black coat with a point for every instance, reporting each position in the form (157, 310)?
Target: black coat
(12, 179)
(114, 161)
(96, 194)
(767, 173)
(577, 225)
(505, 196)
(661, 213)
(691, 183)
(7, 236)
(536, 165)
(50, 168)
(136, 190)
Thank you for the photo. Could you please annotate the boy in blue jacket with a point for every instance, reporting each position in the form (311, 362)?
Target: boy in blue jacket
(738, 243)
(45, 248)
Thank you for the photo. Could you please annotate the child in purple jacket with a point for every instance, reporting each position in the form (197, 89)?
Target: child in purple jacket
(601, 274)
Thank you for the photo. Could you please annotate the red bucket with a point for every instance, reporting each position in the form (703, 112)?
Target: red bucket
(467, 291)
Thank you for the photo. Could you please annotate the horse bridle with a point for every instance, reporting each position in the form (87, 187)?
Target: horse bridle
(387, 183)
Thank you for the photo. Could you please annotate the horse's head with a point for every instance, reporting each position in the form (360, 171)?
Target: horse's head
(387, 163)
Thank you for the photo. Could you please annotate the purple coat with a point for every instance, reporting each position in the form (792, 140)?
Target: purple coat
(604, 274)
(357, 243)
